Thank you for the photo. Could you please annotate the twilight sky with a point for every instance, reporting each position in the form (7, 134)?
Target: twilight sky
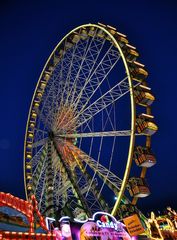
(29, 32)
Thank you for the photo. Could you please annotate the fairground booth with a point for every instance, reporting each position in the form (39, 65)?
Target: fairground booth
(20, 219)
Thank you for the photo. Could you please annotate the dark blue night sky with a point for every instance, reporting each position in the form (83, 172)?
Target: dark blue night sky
(30, 30)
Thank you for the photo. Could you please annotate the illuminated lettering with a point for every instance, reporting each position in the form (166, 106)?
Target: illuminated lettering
(106, 224)
(99, 223)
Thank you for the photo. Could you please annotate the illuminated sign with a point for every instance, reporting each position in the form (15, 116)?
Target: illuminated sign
(106, 225)
(102, 226)
(133, 225)
(105, 220)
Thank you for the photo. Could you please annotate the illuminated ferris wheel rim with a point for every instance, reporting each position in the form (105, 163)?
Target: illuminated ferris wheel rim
(132, 100)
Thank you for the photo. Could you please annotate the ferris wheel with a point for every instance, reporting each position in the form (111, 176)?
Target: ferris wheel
(88, 135)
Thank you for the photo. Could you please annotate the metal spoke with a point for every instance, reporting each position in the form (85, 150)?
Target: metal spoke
(40, 142)
(84, 70)
(96, 77)
(37, 156)
(97, 134)
(100, 170)
(108, 98)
